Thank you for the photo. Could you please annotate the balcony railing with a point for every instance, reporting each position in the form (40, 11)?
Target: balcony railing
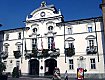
(30, 53)
(54, 52)
(91, 50)
(42, 53)
(4, 55)
(17, 54)
(45, 53)
(69, 52)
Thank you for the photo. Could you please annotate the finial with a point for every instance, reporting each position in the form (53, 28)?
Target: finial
(43, 4)
(59, 11)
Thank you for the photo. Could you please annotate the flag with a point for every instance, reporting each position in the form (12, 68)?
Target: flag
(41, 43)
(53, 44)
(25, 46)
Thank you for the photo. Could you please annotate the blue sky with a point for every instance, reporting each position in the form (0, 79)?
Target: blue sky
(14, 12)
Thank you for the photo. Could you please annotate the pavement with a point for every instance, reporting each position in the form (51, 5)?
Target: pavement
(28, 78)
(47, 78)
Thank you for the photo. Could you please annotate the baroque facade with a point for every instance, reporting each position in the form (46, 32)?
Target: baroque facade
(47, 41)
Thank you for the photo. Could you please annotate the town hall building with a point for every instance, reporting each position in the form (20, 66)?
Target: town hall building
(48, 41)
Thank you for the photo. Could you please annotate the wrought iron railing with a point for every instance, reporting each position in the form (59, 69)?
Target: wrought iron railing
(69, 52)
(42, 53)
(17, 54)
(4, 55)
(91, 49)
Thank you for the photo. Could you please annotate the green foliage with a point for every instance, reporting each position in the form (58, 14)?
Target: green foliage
(2, 67)
(16, 72)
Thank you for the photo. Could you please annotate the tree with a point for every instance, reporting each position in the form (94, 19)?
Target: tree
(2, 67)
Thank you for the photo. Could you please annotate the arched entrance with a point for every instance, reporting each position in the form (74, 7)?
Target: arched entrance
(33, 67)
(50, 64)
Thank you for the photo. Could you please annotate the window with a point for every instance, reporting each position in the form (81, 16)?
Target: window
(69, 30)
(35, 30)
(18, 63)
(70, 45)
(19, 35)
(89, 29)
(71, 64)
(51, 44)
(50, 28)
(5, 63)
(93, 64)
(34, 43)
(7, 36)
(6, 48)
(91, 43)
(19, 47)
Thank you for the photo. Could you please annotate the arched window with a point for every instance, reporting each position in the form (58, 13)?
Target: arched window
(91, 40)
(69, 42)
(34, 30)
(69, 46)
(91, 44)
(50, 28)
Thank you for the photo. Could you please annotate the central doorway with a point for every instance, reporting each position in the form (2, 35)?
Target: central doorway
(50, 64)
(33, 67)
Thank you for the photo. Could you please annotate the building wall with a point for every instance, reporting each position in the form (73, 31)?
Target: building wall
(79, 37)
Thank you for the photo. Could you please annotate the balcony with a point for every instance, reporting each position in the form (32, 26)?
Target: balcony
(91, 49)
(30, 53)
(42, 53)
(17, 54)
(34, 53)
(45, 53)
(54, 52)
(69, 52)
(4, 55)
(39, 54)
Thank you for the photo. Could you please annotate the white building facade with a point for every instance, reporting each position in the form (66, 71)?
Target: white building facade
(47, 41)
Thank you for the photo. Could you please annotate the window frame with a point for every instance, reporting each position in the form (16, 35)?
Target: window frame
(19, 47)
(34, 43)
(5, 63)
(50, 41)
(6, 48)
(7, 37)
(34, 30)
(18, 63)
(50, 28)
(70, 31)
(71, 64)
(90, 29)
(91, 43)
(19, 35)
(92, 63)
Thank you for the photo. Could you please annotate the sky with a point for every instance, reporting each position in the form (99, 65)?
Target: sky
(14, 12)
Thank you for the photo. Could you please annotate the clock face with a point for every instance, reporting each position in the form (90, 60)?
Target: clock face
(42, 14)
